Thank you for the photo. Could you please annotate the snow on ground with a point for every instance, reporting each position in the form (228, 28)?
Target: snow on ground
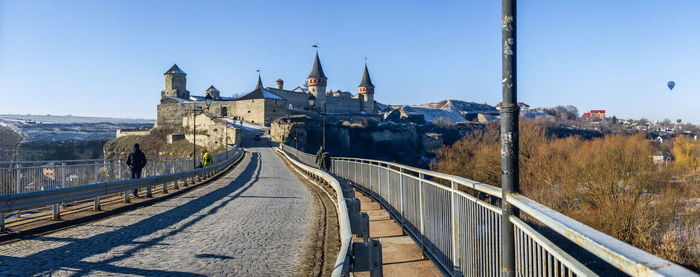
(49, 128)
(431, 114)
(453, 110)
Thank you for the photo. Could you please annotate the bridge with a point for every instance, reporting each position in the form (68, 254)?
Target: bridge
(258, 211)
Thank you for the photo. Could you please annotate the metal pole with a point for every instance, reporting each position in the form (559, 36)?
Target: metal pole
(194, 135)
(509, 136)
(323, 116)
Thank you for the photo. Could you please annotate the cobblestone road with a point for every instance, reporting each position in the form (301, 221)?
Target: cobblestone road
(252, 222)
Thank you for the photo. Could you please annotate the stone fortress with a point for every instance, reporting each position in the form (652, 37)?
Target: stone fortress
(264, 104)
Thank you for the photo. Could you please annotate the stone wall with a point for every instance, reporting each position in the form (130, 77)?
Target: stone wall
(335, 104)
(128, 132)
(298, 100)
(260, 111)
(275, 109)
(170, 114)
(212, 133)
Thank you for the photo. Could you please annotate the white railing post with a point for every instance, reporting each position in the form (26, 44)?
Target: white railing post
(18, 180)
(388, 181)
(420, 210)
(63, 174)
(455, 232)
(403, 216)
(96, 205)
(369, 173)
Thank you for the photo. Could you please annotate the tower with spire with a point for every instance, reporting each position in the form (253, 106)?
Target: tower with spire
(317, 82)
(175, 83)
(366, 92)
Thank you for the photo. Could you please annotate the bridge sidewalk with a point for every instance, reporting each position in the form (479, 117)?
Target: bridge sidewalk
(401, 255)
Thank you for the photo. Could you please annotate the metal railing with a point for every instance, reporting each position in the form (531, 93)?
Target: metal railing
(461, 232)
(31, 176)
(341, 266)
(103, 179)
(306, 158)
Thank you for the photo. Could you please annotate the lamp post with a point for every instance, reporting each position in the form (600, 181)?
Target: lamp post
(197, 110)
(312, 104)
(509, 136)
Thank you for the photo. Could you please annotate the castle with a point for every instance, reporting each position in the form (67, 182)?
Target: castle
(264, 104)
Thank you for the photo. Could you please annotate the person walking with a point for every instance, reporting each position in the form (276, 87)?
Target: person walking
(136, 160)
(319, 155)
(207, 160)
(325, 161)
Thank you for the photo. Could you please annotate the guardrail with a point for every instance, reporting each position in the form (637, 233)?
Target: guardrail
(306, 158)
(55, 196)
(462, 232)
(30, 176)
(341, 266)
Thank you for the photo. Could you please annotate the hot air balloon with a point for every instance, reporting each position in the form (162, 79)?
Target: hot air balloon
(671, 84)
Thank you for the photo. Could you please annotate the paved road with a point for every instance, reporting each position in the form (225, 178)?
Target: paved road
(251, 222)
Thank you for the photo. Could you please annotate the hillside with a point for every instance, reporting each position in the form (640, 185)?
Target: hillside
(51, 128)
(453, 110)
(49, 137)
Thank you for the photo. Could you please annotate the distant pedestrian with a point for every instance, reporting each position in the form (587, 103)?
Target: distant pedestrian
(319, 155)
(325, 161)
(136, 160)
(207, 160)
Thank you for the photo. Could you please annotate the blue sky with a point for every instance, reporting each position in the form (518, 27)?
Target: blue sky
(106, 58)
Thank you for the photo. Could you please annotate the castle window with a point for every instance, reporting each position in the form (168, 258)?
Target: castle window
(224, 111)
(248, 111)
(274, 111)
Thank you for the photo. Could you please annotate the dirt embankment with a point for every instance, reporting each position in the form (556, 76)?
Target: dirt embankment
(155, 144)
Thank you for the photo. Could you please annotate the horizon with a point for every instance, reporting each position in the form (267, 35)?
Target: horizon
(587, 54)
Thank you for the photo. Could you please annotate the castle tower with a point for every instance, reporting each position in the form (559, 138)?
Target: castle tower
(175, 83)
(280, 84)
(215, 93)
(317, 83)
(366, 92)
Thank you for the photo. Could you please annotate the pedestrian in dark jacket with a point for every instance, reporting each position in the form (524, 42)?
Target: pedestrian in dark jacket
(325, 161)
(319, 155)
(136, 160)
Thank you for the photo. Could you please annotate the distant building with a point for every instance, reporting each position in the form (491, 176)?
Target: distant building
(264, 104)
(595, 114)
(660, 158)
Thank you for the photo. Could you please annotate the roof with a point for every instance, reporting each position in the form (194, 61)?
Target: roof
(366, 80)
(317, 69)
(260, 93)
(212, 88)
(260, 85)
(174, 70)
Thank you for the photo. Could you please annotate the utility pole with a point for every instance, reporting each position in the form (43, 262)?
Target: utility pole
(510, 113)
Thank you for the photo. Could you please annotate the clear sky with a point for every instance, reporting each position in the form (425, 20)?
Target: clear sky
(107, 58)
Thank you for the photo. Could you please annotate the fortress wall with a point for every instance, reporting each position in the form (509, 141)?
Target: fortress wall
(298, 100)
(275, 109)
(343, 105)
(171, 114)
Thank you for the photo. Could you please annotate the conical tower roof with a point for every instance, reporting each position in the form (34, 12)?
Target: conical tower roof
(260, 85)
(366, 80)
(317, 69)
(174, 70)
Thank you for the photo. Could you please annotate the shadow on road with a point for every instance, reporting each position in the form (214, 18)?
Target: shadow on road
(69, 257)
